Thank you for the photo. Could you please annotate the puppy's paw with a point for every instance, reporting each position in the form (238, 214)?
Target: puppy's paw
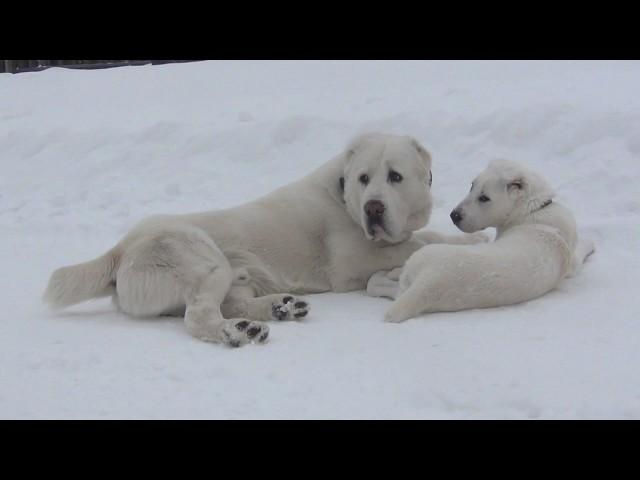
(239, 331)
(289, 308)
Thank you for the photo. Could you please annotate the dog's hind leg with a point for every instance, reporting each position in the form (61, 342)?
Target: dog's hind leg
(204, 320)
(171, 268)
(251, 293)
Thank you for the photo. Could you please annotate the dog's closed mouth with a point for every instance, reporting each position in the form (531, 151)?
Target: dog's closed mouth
(376, 230)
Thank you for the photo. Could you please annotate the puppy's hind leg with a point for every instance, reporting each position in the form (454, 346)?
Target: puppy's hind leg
(409, 303)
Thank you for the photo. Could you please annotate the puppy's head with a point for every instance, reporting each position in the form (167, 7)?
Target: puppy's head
(504, 191)
(386, 185)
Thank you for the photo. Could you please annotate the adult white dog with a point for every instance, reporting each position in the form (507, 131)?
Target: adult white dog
(536, 247)
(226, 270)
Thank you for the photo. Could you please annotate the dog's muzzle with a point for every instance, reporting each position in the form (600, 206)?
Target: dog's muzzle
(374, 213)
(374, 210)
(456, 216)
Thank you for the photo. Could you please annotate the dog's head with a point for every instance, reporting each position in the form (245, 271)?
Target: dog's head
(504, 191)
(386, 185)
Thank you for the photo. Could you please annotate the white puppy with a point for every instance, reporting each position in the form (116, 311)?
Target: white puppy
(228, 270)
(536, 246)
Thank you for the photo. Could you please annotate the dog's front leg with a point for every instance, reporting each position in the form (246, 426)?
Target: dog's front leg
(428, 237)
(384, 284)
(353, 273)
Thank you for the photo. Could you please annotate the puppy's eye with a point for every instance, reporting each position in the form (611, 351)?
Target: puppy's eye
(364, 179)
(395, 177)
(483, 199)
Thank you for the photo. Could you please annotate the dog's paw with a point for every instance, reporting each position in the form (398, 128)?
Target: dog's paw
(382, 284)
(289, 308)
(477, 237)
(239, 331)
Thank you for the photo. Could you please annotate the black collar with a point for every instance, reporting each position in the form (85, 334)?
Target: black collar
(545, 204)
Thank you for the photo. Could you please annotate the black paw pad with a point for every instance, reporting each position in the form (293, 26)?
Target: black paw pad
(301, 314)
(286, 300)
(264, 336)
(300, 304)
(242, 325)
(253, 331)
(278, 313)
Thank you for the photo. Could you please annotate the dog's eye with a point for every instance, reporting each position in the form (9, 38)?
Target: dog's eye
(430, 178)
(483, 198)
(364, 179)
(395, 177)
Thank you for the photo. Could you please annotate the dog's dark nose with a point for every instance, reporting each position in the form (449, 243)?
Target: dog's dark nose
(374, 209)
(456, 217)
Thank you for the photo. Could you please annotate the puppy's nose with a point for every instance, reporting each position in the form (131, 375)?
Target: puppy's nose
(374, 209)
(456, 217)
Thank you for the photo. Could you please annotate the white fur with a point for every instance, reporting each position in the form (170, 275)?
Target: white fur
(536, 247)
(308, 236)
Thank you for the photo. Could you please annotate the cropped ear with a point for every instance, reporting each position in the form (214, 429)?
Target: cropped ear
(331, 176)
(356, 144)
(426, 158)
(335, 171)
(517, 184)
(532, 188)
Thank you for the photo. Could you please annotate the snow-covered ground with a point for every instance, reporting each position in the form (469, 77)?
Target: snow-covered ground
(86, 154)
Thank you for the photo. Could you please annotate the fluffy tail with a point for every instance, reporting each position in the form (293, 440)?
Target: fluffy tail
(84, 281)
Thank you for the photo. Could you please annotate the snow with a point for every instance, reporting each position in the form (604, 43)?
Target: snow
(86, 154)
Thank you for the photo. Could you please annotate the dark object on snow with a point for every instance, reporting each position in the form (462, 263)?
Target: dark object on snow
(17, 66)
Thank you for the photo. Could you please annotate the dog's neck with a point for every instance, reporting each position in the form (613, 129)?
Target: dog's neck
(519, 220)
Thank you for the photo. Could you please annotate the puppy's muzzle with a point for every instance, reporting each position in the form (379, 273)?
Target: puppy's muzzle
(456, 216)
(374, 210)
